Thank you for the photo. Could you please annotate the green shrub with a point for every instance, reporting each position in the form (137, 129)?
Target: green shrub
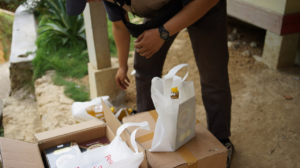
(61, 43)
(66, 61)
(62, 30)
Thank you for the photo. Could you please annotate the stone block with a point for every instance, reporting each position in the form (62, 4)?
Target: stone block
(102, 82)
(280, 51)
(96, 35)
(22, 48)
(23, 36)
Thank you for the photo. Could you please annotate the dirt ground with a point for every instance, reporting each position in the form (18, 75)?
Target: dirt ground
(265, 126)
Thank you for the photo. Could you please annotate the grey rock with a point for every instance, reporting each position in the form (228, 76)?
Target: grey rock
(253, 44)
(257, 58)
(233, 45)
(246, 53)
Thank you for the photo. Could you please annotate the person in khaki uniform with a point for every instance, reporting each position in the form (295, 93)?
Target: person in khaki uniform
(206, 22)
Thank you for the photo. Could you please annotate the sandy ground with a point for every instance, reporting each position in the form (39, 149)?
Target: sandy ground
(265, 126)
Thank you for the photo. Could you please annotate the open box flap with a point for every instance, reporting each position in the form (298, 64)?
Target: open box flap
(17, 154)
(80, 132)
(111, 121)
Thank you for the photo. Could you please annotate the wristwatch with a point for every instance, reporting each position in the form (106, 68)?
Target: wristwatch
(164, 34)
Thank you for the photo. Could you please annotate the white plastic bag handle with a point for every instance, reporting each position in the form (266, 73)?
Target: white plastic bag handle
(143, 125)
(175, 69)
(132, 139)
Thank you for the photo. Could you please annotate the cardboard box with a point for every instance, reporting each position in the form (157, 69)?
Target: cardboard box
(18, 154)
(203, 151)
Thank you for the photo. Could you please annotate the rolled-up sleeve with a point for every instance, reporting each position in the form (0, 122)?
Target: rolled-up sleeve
(113, 11)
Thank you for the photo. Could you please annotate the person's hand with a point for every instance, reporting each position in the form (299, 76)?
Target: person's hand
(88, 1)
(148, 43)
(121, 78)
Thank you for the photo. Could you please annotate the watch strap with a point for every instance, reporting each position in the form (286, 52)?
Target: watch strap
(161, 30)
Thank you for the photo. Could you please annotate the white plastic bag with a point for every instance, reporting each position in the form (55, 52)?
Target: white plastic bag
(115, 155)
(176, 122)
(79, 109)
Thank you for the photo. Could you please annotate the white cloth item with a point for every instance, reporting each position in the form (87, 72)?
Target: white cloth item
(79, 109)
(176, 122)
(115, 155)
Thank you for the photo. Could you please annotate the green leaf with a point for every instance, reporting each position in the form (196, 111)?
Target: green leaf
(64, 29)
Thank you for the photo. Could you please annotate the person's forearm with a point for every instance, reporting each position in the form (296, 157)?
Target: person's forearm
(122, 39)
(192, 12)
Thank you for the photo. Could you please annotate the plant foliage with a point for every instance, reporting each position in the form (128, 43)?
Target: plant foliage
(72, 89)
(65, 61)
(64, 30)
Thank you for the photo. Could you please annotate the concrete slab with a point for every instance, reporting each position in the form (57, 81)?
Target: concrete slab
(96, 35)
(102, 83)
(280, 51)
(23, 46)
(24, 36)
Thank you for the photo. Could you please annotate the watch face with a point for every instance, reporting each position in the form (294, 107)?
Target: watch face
(164, 35)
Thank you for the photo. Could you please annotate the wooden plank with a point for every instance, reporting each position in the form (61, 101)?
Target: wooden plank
(255, 15)
(272, 5)
(280, 51)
